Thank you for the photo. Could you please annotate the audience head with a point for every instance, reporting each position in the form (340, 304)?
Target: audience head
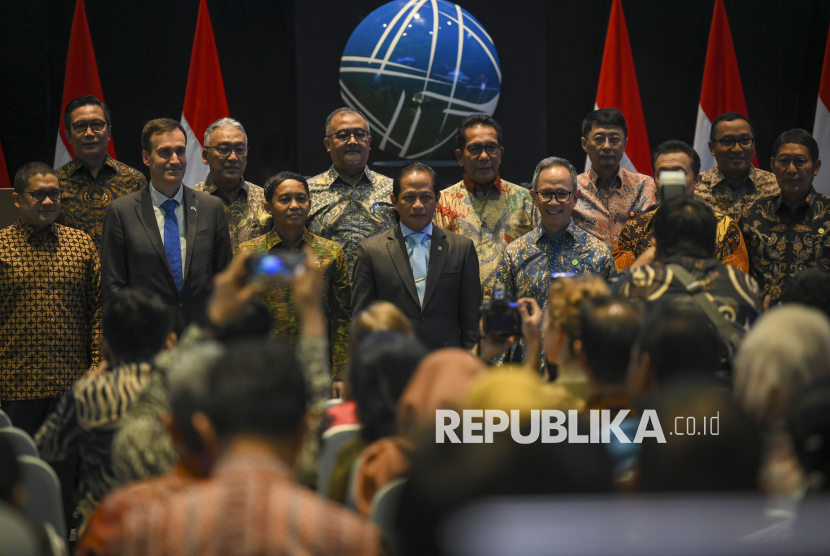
(692, 460)
(562, 322)
(685, 227)
(11, 490)
(348, 140)
(808, 421)
(555, 193)
(164, 151)
(604, 137)
(795, 163)
(88, 125)
(480, 148)
(677, 156)
(378, 317)
(288, 201)
(136, 324)
(381, 367)
(608, 329)
(788, 347)
(415, 195)
(226, 151)
(732, 143)
(37, 194)
(809, 287)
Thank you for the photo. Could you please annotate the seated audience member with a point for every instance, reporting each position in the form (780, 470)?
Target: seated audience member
(253, 428)
(786, 349)
(808, 422)
(288, 200)
(696, 461)
(136, 326)
(809, 287)
(441, 381)
(785, 231)
(381, 367)
(634, 246)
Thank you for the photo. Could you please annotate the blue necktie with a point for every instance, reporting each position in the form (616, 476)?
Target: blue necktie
(416, 250)
(172, 243)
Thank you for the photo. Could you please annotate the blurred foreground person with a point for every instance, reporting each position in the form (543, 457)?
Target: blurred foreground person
(809, 287)
(808, 421)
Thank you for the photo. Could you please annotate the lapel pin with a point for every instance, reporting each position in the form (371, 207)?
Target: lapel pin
(193, 209)
(439, 247)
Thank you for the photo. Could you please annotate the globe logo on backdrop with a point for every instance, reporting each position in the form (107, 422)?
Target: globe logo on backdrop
(416, 69)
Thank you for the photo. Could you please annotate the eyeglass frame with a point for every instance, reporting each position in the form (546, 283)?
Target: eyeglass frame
(88, 124)
(483, 148)
(737, 142)
(351, 134)
(606, 138)
(232, 150)
(46, 193)
(793, 161)
(553, 195)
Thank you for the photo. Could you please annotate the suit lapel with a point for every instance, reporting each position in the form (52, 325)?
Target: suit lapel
(191, 214)
(437, 257)
(397, 250)
(147, 217)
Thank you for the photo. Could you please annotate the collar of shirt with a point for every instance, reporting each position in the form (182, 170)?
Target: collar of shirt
(273, 239)
(77, 165)
(27, 230)
(749, 183)
(809, 201)
(615, 183)
(334, 176)
(211, 188)
(540, 234)
(406, 231)
(473, 187)
(159, 199)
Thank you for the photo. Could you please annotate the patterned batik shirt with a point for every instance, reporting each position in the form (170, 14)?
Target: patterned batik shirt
(247, 218)
(50, 310)
(603, 211)
(784, 241)
(337, 293)
(491, 218)
(348, 215)
(635, 239)
(716, 192)
(84, 199)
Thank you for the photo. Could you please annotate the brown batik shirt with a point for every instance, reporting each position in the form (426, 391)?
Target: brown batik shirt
(50, 310)
(84, 199)
(247, 217)
(723, 198)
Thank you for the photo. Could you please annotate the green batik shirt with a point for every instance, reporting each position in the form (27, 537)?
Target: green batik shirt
(337, 292)
(492, 219)
(347, 214)
(247, 217)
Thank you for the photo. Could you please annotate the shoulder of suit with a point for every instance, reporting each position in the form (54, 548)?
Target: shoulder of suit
(127, 200)
(453, 237)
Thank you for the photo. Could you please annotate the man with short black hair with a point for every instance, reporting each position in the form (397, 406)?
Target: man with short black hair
(788, 231)
(93, 179)
(483, 207)
(734, 183)
(350, 201)
(226, 153)
(610, 194)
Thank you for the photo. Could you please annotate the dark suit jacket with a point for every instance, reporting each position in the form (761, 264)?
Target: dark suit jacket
(132, 252)
(449, 316)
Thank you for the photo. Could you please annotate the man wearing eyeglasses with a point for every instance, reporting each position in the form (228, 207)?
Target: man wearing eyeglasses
(226, 153)
(610, 195)
(790, 231)
(349, 202)
(92, 180)
(734, 183)
(483, 207)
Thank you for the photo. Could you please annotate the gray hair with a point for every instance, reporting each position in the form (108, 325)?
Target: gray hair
(550, 162)
(223, 122)
(350, 110)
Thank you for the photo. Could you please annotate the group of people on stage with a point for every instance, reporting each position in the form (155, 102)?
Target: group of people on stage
(105, 269)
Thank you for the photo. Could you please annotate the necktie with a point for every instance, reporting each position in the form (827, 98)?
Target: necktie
(416, 250)
(172, 243)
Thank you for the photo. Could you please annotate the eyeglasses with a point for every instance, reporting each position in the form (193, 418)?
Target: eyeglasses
(96, 125)
(491, 148)
(226, 150)
(599, 140)
(41, 194)
(559, 195)
(730, 142)
(345, 135)
(784, 162)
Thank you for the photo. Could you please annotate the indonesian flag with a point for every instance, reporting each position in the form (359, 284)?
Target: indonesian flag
(821, 129)
(722, 90)
(618, 89)
(204, 100)
(4, 171)
(81, 79)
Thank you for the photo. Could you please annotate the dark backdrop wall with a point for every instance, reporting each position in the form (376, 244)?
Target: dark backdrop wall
(280, 66)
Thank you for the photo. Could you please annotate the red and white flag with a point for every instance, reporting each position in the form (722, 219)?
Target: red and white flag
(722, 90)
(81, 79)
(5, 180)
(821, 129)
(618, 89)
(204, 100)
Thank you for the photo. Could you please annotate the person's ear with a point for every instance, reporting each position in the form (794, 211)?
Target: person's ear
(204, 428)
(327, 143)
(204, 156)
(145, 156)
(16, 199)
(459, 156)
(817, 167)
(712, 148)
(584, 144)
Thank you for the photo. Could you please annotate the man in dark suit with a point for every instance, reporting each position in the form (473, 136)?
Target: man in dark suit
(166, 238)
(428, 273)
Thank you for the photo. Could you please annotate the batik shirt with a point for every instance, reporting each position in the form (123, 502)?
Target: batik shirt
(784, 241)
(336, 294)
(491, 218)
(716, 192)
(348, 215)
(635, 239)
(247, 218)
(84, 199)
(50, 310)
(603, 211)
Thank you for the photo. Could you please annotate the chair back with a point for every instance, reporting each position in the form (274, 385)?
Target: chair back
(44, 503)
(20, 441)
(384, 509)
(333, 439)
(4, 420)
